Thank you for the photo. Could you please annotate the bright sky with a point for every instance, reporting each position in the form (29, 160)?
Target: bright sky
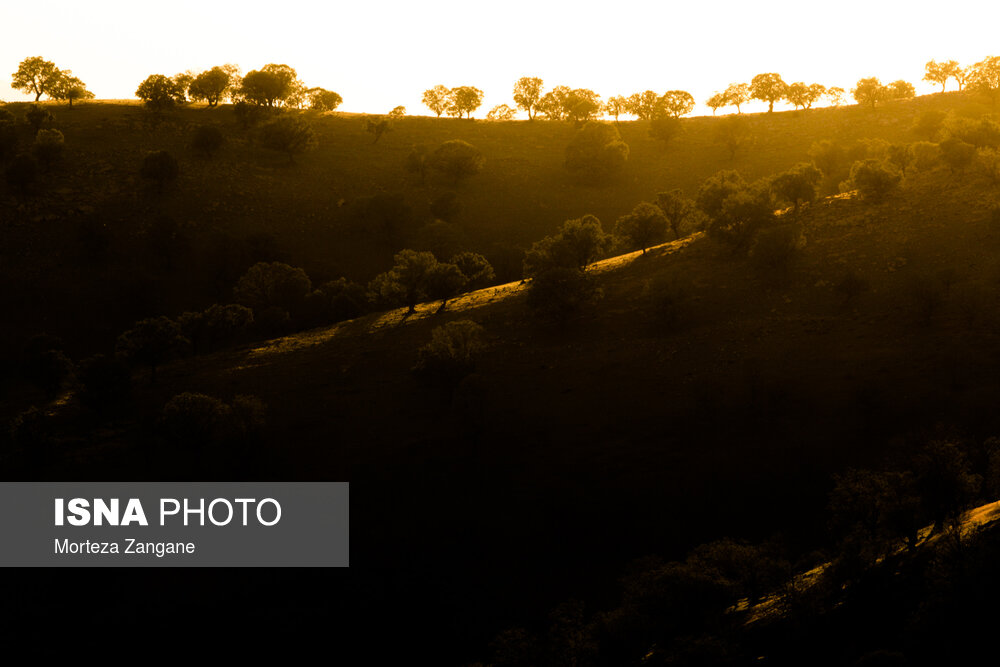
(381, 54)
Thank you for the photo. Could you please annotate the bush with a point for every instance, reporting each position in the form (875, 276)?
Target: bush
(273, 285)
(207, 139)
(558, 293)
(457, 159)
(193, 421)
(152, 341)
(873, 180)
(716, 189)
(8, 136)
(288, 134)
(578, 243)
(774, 249)
(37, 118)
(988, 161)
(452, 352)
(957, 154)
(159, 167)
(743, 215)
(797, 185)
(928, 124)
(926, 155)
(345, 299)
(48, 147)
(644, 226)
(596, 155)
(665, 128)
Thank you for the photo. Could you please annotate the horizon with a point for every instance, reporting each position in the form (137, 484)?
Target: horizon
(440, 38)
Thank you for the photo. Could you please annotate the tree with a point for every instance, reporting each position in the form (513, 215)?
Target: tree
(936, 72)
(984, 77)
(676, 103)
(801, 95)
(271, 86)
(152, 342)
(581, 105)
(408, 282)
(160, 92)
(616, 106)
(452, 352)
(578, 243)
(900, 90)
(457, 159)
(288, 134)
(194, 421)
(961, 76)
(925, 155)
(444, 282)
(501, 112)
(644, 105)
(901, 157)
(160, 167)
(957, 154)
(945, 482)
(597, 154)
(716, 189)
(48, 146)
(928, 124)
(733, 132)
(69, 88)
(464, 100)
(37, 116)
(557, 293)
(768, 87)
(835, 95)
(716, 101)
(437, 99)
(665, 128)
(212, 86)
(872, 180)
(377, 127)
(676, 209)
(737, 94)
(797, 185)
(743, 214)
(273, 285)
(418, 161)
(870, 91)
(527, 93)
(322, 99)
(396, 113)
(35, 75)
(644, 226)
(477, 270)
(104, 384)
(207, 139)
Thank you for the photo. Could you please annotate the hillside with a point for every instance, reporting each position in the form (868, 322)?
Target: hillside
(702, 396)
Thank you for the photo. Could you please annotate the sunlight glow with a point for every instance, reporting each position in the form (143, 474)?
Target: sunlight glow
(380, 56)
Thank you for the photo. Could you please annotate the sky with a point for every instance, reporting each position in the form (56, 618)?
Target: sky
(378, 55)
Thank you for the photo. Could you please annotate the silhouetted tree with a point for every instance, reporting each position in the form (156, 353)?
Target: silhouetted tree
(152, 342)
(271, 86)
(936, 72)
(437, 99)
(578, 243)
(160, 92)
(444, 282)
(500, 112)
(835, 95)
(527, 93)
(597, 154)
(870, 91)
(36, 76)
(69, 88)
(289, 134)
(207, 139)
(737, 94)
(872, 512)
(464, 100)
(159, 167)
(797, 185)
(928, 124)
(552, 105)
(643, 227)
(273, 285)
(477, 270)
(346, 299)
(743, 214)
(900, 90)
(321, 99)
(715, 190)
(645, 105)
(676, 103)
(212, 86)
(396, 113)
(417, 162)
(48, 147)
(926, 155)
(407, 283)
(984, 77)
(676, 209)
(377, 127)
(872, 180)
(616, 106)
(457, 159)
(452, 353)
(716, 102)
(768, 88)
(945, 482)
(802, 95)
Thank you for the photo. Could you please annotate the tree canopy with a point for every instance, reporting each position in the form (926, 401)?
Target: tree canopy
(768, 87)
(936, 72)
(36, 76)
(464, 100)
(527, 93)
(436, 99)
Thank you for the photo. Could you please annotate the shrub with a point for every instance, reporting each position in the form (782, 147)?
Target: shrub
(477, 270)
(733, 132)
(873, 180)
(716, 189)
(774, 249)
(152, 341)
(193, 421)
(457, 159)
(578, 243)
(957, 154)
(288, 134)
(743, 214)
(501, 112)
(37, 117)
(207, 139)
(665, 128)
(928, 124)
(48, 147)
(643, 227)
(558, 293)
(273, 285)
(676, 208)
(596, 155)
(8, 135)
(452, 352)
(345, 299)
(159, 167)
(988, 161)
(797, 185)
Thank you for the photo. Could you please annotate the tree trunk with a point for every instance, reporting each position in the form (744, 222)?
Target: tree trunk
(38, 95)
(770, 106)
(444, 302)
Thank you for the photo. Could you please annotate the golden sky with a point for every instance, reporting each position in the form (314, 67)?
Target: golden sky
(381, 54)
